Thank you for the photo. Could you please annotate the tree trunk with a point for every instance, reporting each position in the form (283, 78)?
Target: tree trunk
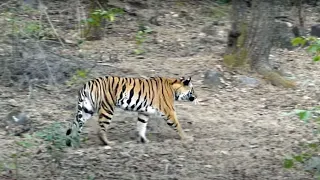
(251, 38)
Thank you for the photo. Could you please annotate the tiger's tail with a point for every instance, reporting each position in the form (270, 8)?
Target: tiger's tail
(85, 110)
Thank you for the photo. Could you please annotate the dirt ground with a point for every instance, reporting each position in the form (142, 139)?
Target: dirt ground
(239, 131)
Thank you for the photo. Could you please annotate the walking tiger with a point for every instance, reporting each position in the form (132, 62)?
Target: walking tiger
(144, 95)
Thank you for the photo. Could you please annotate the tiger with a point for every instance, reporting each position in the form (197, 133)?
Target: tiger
(147, 96)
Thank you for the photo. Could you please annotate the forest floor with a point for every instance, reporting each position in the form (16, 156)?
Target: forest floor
(239, 129)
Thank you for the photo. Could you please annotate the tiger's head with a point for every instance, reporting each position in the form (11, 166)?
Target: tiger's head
(184, 90)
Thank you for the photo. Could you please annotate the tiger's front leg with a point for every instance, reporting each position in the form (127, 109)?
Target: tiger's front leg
(142, 127)
(173, 122)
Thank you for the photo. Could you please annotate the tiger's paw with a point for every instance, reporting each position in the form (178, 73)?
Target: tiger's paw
(68, 142)
(143, 140)
(109, 143)
(196, 102)
(187, 138)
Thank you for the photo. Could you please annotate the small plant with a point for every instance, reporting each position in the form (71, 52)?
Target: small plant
(32, 28)
(141, 37)
(54, 137)
(308, 158)
(91, 177)
(313, 45)
(11, 164)
(98, 16)
(28, 28)
(79, 77)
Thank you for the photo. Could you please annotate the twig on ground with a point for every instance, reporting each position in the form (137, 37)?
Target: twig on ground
(42, 87)
(44, 58)
(79, 18)
(106, 64)
(81, 15)
(97, 1)
(95, 63)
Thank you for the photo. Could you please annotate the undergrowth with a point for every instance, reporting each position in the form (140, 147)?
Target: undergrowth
(50, 141)
(308, 159)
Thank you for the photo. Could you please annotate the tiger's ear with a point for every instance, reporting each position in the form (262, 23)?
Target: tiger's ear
(187, 81)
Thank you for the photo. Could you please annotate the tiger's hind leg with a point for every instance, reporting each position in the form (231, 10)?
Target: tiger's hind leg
(105, 116)
(142, 127)
(85, 112)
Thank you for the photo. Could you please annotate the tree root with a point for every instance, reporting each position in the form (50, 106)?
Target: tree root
(274, 77)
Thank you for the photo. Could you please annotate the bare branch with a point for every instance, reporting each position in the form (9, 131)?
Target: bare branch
(4, 4)
(43, 9)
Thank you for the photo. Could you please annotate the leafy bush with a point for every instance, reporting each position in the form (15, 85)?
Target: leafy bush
(313, 44)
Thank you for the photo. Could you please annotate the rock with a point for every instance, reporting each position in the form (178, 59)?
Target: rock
(79, 152)
(315, 30)
(146, 155)
(17, 117)
(209, 29)
(248, 81)
(107, 147)
(154, 20)
(313, 3)
(138, 4)
(13, 102)
(284, 32)
(32, 3)
(175, 15)
(165, 161)
(212, 77)
(216, 23)
(16, 123)
(125, 154)
(185, 14)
